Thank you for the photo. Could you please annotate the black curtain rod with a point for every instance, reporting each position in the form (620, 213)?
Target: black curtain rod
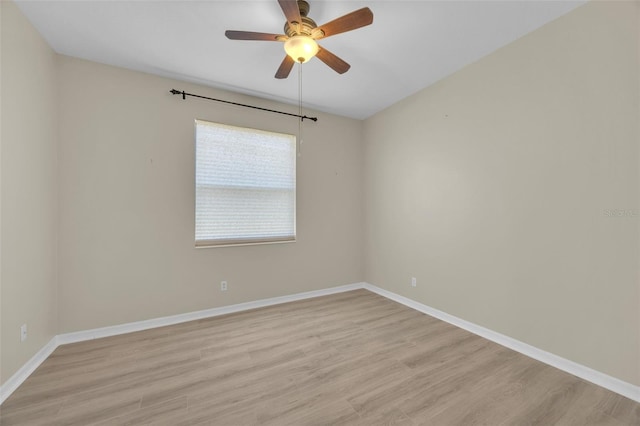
(184, 96)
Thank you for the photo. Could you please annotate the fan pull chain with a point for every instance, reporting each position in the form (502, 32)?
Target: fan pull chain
(300, 109)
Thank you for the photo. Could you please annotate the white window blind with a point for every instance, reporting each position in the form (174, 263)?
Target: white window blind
(245, 185)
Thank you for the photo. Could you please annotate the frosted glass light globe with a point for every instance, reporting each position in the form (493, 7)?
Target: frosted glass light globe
(301, 48)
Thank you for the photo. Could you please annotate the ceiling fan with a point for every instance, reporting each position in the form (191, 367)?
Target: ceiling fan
(301, 33)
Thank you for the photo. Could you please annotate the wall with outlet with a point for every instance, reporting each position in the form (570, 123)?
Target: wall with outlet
(127, 201)
(28, 192)
(495, 187)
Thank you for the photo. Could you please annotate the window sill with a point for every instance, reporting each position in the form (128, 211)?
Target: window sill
(211, 244)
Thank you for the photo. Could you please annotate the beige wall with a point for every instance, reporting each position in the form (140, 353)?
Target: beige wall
(492, 189)
(127, 202)
(28, 191)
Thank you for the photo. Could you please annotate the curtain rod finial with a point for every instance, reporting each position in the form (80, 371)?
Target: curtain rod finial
(177, 92)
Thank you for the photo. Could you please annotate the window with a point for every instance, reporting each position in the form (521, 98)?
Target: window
(245, 185)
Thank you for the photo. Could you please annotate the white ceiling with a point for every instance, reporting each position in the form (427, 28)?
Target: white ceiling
(409, 46)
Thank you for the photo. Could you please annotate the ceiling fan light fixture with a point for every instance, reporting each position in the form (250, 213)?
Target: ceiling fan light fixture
(301, 33)
(301, 48)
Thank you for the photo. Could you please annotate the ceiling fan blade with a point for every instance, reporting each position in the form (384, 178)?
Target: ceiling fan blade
(285, 67)
(249, 35)
(335, 63)
(291, 11)
(350, 21)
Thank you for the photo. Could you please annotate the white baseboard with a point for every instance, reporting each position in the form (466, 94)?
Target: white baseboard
(25, 371)
(616, 385)
(608, 382)
(96, 333)
(21, 375)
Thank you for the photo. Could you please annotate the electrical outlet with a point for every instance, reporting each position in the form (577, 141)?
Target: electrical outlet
(223, 286)
(413, 282)
(23, 332)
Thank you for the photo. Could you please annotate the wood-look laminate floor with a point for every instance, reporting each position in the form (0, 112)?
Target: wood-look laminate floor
(354, 358)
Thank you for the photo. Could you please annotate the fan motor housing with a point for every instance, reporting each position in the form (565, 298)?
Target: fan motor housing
(307, 27)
